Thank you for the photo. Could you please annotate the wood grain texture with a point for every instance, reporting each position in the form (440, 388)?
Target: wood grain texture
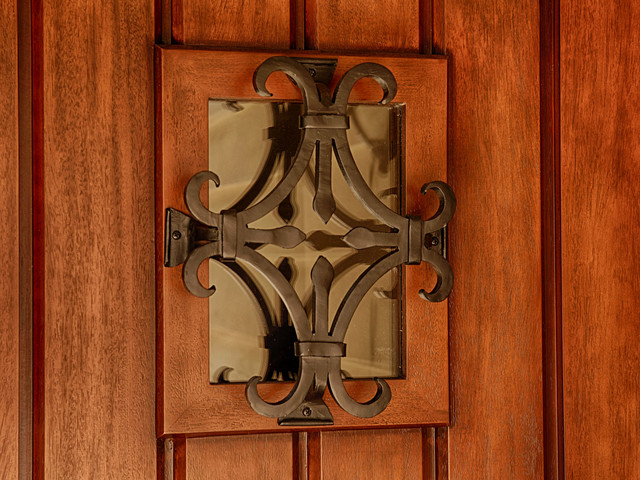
(495, 307)
(187, 403)
(241, 23)
(26, 37)
(428, 454)
(437, 26)
(442, 453)
(99, 325)
(179, 458)
(372, 454)
(37, 255)
(9, 278)
(600, 223)
(314, 456)
(363, 25)
(260, 457)
(551, 239)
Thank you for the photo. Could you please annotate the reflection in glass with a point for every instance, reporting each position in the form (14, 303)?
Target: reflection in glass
(251, 146)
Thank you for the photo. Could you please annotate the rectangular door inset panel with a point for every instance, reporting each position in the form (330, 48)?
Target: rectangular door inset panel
(397, 149)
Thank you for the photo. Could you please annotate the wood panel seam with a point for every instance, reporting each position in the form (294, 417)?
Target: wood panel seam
(25, 193)
(551, 237)
(177, 22)
(38, 230)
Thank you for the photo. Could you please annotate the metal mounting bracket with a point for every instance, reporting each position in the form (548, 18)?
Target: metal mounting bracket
(182, 235)
(320, 69)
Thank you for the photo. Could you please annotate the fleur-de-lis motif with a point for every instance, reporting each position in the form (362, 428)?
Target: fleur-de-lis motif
(324, 119)
(320, 360)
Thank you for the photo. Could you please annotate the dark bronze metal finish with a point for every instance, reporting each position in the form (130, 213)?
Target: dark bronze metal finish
(226, 237)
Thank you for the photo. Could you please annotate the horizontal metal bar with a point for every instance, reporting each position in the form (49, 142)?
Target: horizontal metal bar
(324, 121)
(320, 349)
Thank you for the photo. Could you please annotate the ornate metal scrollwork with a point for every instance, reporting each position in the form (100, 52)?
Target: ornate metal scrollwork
(226, 236)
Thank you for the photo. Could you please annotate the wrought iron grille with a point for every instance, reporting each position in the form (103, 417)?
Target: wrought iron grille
(226, 237)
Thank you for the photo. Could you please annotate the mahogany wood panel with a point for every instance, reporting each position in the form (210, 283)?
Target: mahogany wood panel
(436, 32)
(314, 456)
(264, 457)
(187, 404)
(9, 280)
(600, 120)
(442, 454)
(364, 25)
(551, 239)
(37, 294)
(495, 240)
(240, 23)
(98, 232)
(372, 454)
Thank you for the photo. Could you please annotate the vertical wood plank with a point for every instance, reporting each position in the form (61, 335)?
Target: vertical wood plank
(363, 25)
(495, 240)
(242, 23)
(372, 454)
(179, 458)
(300, 455)
(442, 453)
(176, 20)
(314, 456)
(9, 280)
(600, 87)
(27, 267)
(437, 26)
(264, 457)
(429, 460)
(98, 236)
(38, 292)
(551, 238)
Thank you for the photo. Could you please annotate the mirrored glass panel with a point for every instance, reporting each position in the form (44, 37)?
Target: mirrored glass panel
(251, 146)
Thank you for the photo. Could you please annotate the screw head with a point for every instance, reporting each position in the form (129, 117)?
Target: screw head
(434, 241)
(313, 72)
(176, 235)
(306, 411)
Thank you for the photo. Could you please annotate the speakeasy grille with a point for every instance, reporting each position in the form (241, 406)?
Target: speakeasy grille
(307, 341)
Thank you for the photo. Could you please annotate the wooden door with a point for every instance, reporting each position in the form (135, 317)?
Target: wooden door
(543, 154)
